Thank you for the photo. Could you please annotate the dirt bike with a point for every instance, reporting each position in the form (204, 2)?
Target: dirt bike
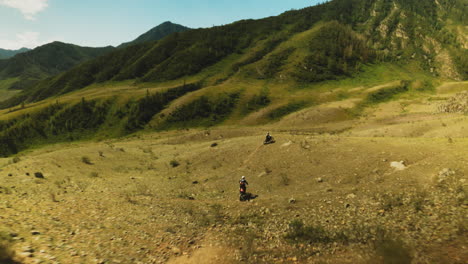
(271, 140)
(245, 196)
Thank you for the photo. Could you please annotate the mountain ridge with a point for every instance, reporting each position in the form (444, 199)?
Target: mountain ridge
(44, 61)
(26, 70)
(6, 53)
(156, 33)
(387, 27)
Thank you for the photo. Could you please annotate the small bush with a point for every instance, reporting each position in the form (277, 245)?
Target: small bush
(174, 163)
(203, 111)
(285, 110)
(298, 232)
(257, 102)
(386, 94)
(86, 160)
(390, 201)
(284, 179)
(392, 251)
(6, 253)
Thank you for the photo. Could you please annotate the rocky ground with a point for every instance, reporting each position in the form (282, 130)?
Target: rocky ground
(456, 104)
(322, 199)
(387, 187)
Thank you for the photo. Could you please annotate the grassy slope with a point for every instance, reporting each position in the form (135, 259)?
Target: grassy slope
(362, 210)
(5, 92)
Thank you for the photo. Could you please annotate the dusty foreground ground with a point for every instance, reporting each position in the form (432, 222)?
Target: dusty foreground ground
(389, 187)
(172, 198)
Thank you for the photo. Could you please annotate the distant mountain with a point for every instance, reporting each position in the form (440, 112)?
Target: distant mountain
(45, 61)
(329, 41)
(6, 54)
(157, 33)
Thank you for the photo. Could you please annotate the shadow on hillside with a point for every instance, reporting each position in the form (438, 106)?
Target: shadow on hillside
(247, 197)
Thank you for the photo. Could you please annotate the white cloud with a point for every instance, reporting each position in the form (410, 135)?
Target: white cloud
(28, 8)
(26, 39)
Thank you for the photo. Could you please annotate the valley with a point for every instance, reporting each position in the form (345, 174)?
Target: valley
(326, 192)
(133, 154)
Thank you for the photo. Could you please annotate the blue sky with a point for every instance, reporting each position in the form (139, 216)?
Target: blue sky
(30, 23)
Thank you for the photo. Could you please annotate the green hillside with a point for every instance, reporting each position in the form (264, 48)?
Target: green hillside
(156, 33)
(44, 61)
(363, 53)
(425, 35)
(54, 58)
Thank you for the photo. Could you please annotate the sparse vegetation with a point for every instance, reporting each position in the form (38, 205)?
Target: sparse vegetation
(387, 94)
(202, 112)
(327, 191)
(298, 232)
(257, 102)
(174, 163)
(391, 200)
(142, 111)
(6, 253)
(285, 110)
(392, 251)
(86, 160)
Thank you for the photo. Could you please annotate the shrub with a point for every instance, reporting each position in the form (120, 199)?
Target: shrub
(203, 111)
(285, 110)
(6, 254)
(386, 94)
(390, 201)
(257, 102)
(392, 251)
(143, 110)
(284, 179)
(86, 160)
(174, 163)
(298, 232)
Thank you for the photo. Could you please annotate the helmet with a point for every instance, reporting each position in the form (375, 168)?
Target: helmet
(243, 177)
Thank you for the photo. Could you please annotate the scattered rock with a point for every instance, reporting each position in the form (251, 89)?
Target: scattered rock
(195, 182)
(35, 233)
(214, 145)
(292, 200)
(319, 180)
(176, 250)
(456, 104)
(28, 249)
(398, 165)
(305, 144)
(444, 174)
(286, 144)
(39, 175)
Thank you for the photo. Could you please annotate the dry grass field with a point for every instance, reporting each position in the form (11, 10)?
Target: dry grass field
(327, 191)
